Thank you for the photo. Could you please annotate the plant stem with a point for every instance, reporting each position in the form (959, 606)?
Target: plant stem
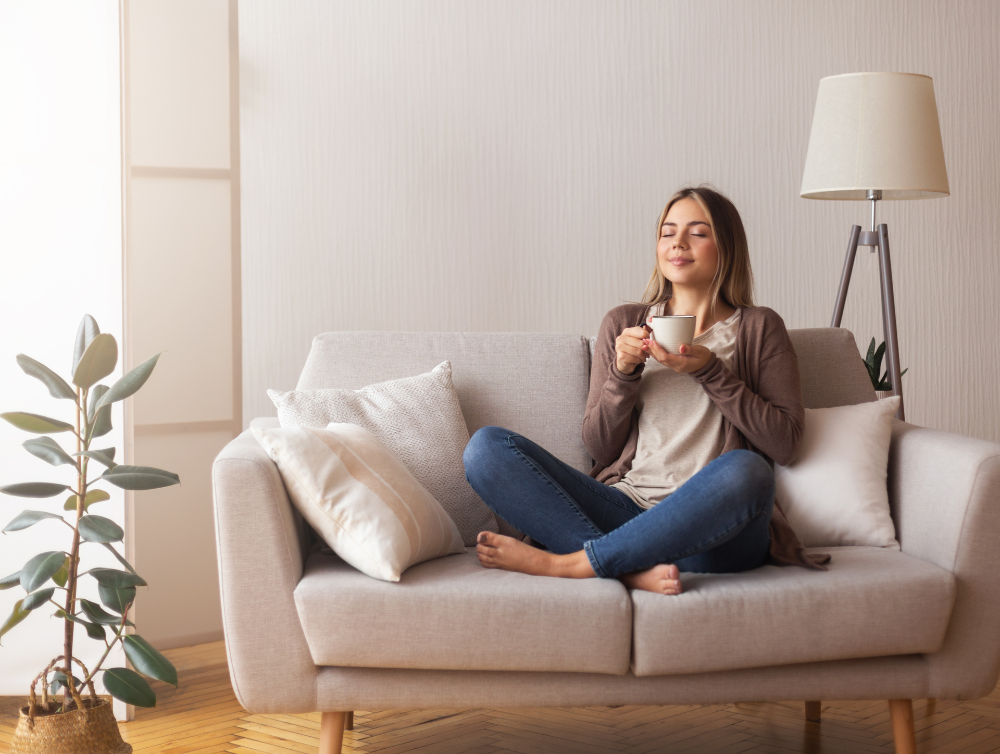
(74, 556)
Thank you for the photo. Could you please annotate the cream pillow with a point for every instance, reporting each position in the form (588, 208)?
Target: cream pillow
(420, 420)
(835, 492)
(360, 499)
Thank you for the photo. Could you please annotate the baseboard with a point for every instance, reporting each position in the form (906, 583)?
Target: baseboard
(188, 640)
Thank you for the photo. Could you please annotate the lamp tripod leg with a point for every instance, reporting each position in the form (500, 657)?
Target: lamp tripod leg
(845, 277)
(889, 317)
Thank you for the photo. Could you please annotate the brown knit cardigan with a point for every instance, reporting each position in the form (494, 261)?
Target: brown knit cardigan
(760, 403)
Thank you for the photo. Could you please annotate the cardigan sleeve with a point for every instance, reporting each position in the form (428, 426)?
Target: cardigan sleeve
(771, 420)
(612, 396)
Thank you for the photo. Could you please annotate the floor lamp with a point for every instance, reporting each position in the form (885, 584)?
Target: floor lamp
(875, 137)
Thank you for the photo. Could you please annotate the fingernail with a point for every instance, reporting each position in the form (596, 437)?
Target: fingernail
(482, 539)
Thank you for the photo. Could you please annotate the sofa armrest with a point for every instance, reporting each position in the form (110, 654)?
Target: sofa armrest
(944, 492)
(261, 548)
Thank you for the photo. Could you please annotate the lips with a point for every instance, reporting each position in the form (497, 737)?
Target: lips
(680, 261)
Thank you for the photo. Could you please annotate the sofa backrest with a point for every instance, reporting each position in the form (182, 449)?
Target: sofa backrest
(537, 383)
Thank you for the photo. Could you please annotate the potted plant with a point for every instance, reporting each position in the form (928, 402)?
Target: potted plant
(873, 362)
(51, 579)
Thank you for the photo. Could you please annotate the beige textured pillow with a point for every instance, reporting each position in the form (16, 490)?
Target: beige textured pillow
(835, 493)
(419, 419)
(360, 499)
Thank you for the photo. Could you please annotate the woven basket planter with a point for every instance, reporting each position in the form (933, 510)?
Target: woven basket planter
(91, 728)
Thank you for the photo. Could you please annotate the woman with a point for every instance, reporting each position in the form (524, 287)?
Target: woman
(684, 444)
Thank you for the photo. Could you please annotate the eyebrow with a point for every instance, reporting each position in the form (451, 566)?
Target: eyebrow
(693, 222)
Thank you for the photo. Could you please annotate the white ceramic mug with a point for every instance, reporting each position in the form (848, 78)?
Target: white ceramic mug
(673, 330)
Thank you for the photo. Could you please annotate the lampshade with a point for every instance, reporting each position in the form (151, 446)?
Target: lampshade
(875, 131)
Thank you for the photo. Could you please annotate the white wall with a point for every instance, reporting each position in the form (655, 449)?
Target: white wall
(60, 258)
(441, 165)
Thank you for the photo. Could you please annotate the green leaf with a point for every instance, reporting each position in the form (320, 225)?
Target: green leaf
(16, 616)
(94, 631)
(869, 359)
(94, 496)
(118, 600)
(148, 661)
(9, 582)
(120, 557)
(100, 425)
(100, 529)
(129, 687)
(99, 615)
(130, 383)
(62, 575)
(140, 477)
(57, 385)
(60, 613)
(85, 334)
(40, 425)
(59, 681)
(34, 489)
(115, 579)
(97, 362)
(48, 450)
(105, 457)
(39, 598)
(40, 569)
(29, 518)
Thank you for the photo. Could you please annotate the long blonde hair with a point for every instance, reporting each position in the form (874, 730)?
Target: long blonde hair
(733, 281)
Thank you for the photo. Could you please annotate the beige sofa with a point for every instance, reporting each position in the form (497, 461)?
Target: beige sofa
(305, 632)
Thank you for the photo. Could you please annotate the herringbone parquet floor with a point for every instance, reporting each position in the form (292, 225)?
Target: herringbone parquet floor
(203, 717)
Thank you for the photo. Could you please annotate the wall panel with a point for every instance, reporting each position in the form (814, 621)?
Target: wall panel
(181, 271)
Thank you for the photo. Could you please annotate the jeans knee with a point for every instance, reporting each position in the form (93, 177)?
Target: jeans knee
(756, 474)
(481, 447)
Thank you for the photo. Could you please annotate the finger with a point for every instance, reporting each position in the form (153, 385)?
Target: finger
(629, 351)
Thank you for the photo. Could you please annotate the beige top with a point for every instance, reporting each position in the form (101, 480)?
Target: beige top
(680, 428)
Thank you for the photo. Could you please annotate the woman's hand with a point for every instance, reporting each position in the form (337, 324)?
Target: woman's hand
(691, 358)
(629, 351)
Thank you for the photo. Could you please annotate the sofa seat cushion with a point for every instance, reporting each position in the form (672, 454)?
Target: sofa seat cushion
(453, 614)
(872, 602)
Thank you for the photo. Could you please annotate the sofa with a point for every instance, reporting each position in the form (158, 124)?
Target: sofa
(305, 632)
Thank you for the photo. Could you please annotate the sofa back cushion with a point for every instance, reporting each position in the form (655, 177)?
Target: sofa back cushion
(831, 368)
(532, 383)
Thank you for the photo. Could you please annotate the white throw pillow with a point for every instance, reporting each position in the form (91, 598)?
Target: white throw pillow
(360, 499)
(420, 420)
(835, 492)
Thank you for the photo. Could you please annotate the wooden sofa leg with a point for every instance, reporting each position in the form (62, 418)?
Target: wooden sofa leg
(350, 721)
(901, 711)
(331, 732)
(813, 711)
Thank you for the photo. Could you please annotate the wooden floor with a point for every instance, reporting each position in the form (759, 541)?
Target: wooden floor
(203, 716)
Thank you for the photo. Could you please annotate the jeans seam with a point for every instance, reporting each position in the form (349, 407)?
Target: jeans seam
(588, 548)
(555, 486)
(600, 492)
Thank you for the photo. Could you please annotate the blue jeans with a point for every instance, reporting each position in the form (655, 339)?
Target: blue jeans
(716, 522)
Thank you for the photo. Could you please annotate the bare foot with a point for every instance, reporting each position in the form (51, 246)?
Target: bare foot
(509, 554)
(662, 579)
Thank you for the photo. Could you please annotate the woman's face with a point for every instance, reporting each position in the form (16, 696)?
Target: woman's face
(686, 252)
